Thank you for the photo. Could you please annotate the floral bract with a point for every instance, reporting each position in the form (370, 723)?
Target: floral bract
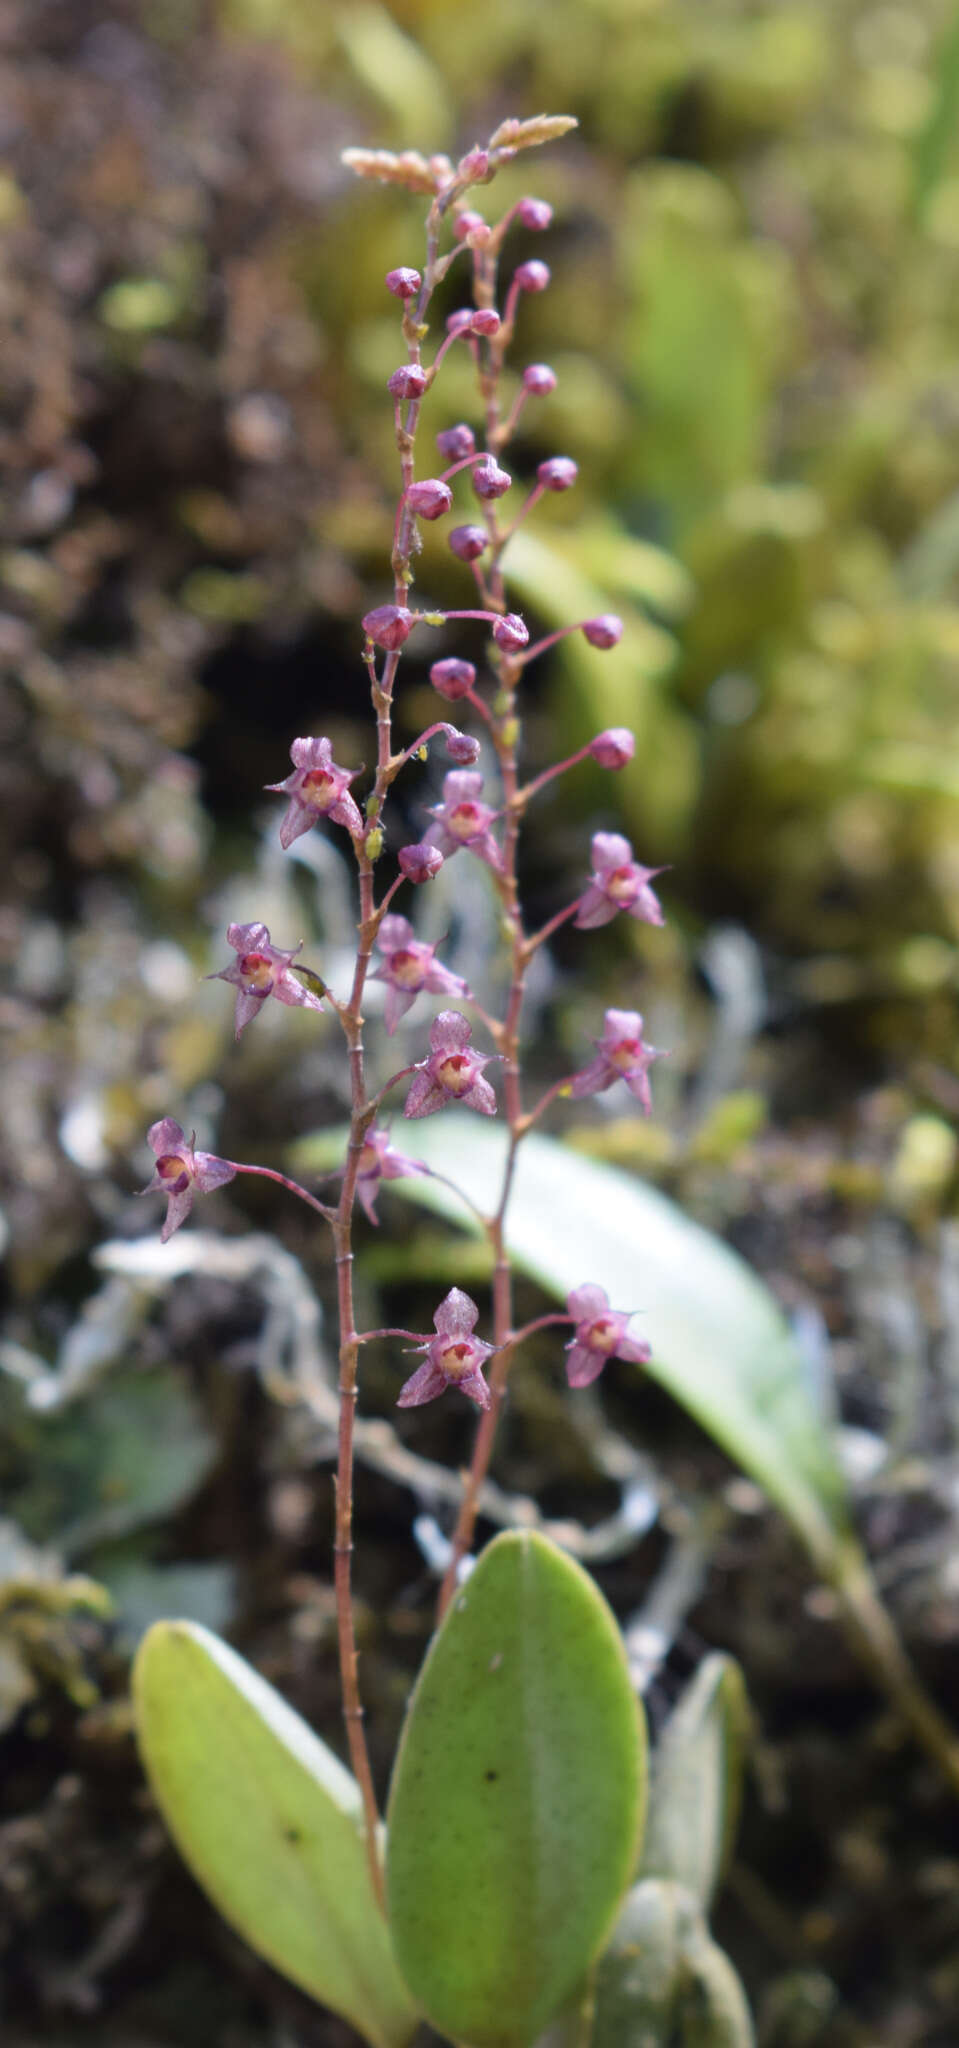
(452, 1073)
(261, 970)
(619, 883)
(600, 1333)
(317, 789)
(454, 1357)
(409, 965)
(181, 1172)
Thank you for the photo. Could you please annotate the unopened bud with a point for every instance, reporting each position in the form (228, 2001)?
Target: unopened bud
(404, 284)
(461, 747)
(388, 626)
(430, 498)
(489, 481)
(510, 633)
(486, 321)
(468, 223)
(532, 276)
(534, 213)
(539, 379)
(474, 165)
(558, 473)
(614, 747)
(452, 678)
(468, 542)
(409, 381)
(456, 443)
(460, 321)
(605, 631)
(420, 863)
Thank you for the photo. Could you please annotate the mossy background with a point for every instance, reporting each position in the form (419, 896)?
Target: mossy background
(753, 320)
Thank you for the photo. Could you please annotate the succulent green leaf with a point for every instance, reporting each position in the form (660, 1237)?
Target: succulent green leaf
(664, 1982)
(517, 1797)
(270, 1823)
(720, 1344)
(696, 1785)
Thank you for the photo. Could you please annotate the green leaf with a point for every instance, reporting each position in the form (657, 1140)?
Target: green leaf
(516, 1799)
(270, 1823)
(720, 1344)
(696, 1784)
(663, 1982)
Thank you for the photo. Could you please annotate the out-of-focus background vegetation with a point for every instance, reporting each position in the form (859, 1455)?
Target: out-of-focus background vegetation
(754, 322)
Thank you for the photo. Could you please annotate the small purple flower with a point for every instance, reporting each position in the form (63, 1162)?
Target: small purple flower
(403, 283)
(606, 631)
(621, 1055)
(462, 820)
(430, 498)
(379, 1161)
(261, 970)
(614, 747)
(317, 788)
(409, 381)
(489, 481)
(454, 1357)
(419, 862)
(456, 443)
(534, 213)
(532, 276)
(619, 883)
(600, 1333)
(558, 473)
(452, 678)
(409, 965)
(539, 379)
(388, 626)
(468, 542)
(181, 1172)
(452, 1073)
(510, 633)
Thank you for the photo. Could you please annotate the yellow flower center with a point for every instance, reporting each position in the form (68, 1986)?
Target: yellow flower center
(456, 1072)
(318, 789)
(455, 1359)
(603, 1334)
(621, 885)
(257, 972)
(174, 1172)
(625, 1054)
(406, 969)
(464, 822)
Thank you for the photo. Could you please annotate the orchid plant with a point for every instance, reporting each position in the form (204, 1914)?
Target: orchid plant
(515, 1814)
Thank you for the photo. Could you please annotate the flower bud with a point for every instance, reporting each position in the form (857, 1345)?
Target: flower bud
(430, 498)
(605, 631)
(614, 747)
(409, 381)
(486, 321)
(452, 678)
(468, 224)
(532, 277)
(388, 626)
(461, 747)
(420, 863)
(468, 542)
(475, 164)
(404, 284)
(456, 443)
(539, 379)
(460, 321)
(489, 481)
(534, 213)
(558, 473)
(510, 633)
